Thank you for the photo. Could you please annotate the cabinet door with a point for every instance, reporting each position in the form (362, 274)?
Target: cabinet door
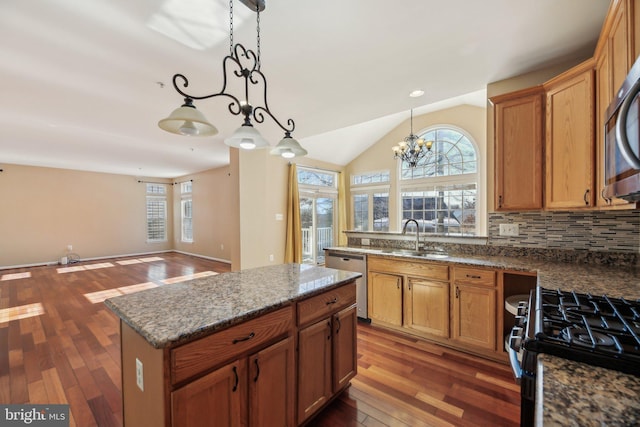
(217, 399)
(570, 143)
(272, 385)
(385, 298)
(427, 306)
(474, 316)
(345, 350)
(314, 367)
(518, 137)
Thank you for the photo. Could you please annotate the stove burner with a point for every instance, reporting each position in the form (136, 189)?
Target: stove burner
(581, 336)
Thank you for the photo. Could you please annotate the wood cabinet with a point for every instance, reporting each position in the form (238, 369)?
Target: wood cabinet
(417, 297)
(385, 298)
(427, 306)
(518, 121)
(614, 57)
(474, 307)
(327, 349)
(569, 139)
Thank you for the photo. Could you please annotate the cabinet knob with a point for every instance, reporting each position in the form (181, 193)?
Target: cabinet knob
(255, 380)
(457, 292)
(247, 338)
(586, 197)
(500, 201)
(333, 301)
(237, 380)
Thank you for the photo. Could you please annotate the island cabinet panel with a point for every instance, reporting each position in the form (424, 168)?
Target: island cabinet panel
(197, 356)
(327, 352)
(217, 399)
(325, 304)
(314, 368)
(272, 385)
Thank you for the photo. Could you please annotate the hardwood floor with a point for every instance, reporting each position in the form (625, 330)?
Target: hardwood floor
(60, 344)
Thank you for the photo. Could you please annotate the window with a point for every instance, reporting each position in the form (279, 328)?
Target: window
(318, 209)
(440, 193)
(156, 213)
(370, 200)
(186, 212)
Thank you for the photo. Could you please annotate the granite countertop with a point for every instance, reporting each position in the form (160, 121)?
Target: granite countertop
(575, 394)
(584, 278)
(176, 313)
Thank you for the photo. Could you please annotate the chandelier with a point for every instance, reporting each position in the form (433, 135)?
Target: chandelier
(244, 64)
(412, 149)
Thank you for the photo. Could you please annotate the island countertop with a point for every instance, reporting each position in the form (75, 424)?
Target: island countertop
(171, 314)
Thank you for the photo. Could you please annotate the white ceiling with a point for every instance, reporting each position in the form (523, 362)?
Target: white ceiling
(80, 79)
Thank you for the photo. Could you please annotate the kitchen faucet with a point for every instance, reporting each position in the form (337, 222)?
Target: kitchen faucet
(404, 231)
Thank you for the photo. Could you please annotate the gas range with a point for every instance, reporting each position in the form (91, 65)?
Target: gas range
(597, 330)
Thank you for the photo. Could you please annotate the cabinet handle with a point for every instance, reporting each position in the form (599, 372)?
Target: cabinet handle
(500, 201)
(247, 338)
(457, 292)
(329, 329)
(333, 301)
(473, 276)
(398, 283)
(339, 324)
(255, 380)
(606, 199)
(237, 380)
(586, 194)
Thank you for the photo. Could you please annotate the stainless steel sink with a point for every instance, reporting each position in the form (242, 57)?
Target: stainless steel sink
(422, 254)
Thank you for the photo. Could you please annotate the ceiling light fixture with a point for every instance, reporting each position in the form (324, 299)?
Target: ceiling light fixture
(412, 149)
(245, 64)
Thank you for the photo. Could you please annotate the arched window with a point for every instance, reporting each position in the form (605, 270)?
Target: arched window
(440, 193)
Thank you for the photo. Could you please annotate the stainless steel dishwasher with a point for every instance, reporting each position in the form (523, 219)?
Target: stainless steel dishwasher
(356, 263)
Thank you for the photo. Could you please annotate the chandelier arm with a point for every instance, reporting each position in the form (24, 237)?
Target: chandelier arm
(260, 109)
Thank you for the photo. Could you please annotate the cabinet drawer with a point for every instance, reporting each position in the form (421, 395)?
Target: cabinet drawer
(324, 304)
(474, 276)
(197, 356)
(409, 268)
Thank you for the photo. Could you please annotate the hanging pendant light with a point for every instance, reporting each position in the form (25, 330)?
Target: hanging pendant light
(244, 64)
(412, 149)
(288, 148)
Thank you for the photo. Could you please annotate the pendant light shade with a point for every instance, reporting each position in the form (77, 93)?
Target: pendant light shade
(288, 148)
(246, 137)
(188, 121)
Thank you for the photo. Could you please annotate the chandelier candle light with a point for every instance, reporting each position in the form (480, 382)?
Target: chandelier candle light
(412, 149)
(188, 121)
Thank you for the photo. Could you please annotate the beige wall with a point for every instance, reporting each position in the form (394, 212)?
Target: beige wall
(213, 211)
(44, 209)
(379, 156)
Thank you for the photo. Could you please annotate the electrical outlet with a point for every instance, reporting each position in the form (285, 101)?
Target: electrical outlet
(69, 248)
(365, 242)
(271, 258)
(139, 374)
(509, 230)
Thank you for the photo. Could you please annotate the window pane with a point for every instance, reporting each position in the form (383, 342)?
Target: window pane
(156, 218)
(316, 178)
(361, 212)
(381, 212)
(445, 209)
(187, 220)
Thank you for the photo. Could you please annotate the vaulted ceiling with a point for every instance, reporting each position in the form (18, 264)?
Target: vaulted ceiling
(84, 83)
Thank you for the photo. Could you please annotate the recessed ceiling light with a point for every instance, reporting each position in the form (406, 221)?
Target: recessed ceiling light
(416, 93)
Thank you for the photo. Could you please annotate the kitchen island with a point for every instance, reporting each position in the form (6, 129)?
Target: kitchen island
(224, 347)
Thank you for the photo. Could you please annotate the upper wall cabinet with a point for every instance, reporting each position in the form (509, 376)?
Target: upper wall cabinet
(569, 139)
(614, 56)
(518, 150)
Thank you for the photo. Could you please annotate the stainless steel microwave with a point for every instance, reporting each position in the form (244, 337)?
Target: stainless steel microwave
(622, 140)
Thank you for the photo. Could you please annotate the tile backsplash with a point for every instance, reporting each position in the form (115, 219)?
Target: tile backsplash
(605, 231)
